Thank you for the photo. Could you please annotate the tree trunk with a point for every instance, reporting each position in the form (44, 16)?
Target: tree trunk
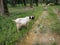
(56, 2)
(24, 2)
(3, 7)
(36, 1)
(13, 3)
(31, 3)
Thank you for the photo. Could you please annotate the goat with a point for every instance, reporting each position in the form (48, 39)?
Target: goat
(23, 21)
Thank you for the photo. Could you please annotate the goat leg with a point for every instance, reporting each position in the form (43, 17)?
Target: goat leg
(18, 27)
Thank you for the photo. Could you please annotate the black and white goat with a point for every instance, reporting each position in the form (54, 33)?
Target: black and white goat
(23, 21)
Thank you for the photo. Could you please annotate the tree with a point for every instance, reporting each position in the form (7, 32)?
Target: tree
(56, 2)
(3, 7)
(36, 1)
(24, 2)
(31, 3)
(13, 2)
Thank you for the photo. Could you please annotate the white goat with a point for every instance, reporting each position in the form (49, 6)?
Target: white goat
(22, 21)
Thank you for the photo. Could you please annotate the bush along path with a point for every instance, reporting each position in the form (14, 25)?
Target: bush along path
(41, 32)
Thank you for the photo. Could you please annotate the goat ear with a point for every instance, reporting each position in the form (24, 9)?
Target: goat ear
(29, 17)
(33, 17)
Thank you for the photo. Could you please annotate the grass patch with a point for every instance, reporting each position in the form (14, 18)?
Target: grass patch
(54, 43)
(55, 26)
(8, 34)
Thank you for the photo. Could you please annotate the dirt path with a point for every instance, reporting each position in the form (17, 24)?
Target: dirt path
(40, 34)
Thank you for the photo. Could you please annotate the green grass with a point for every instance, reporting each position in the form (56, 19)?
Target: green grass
(54, 43)
(58, 6)
(8, 33)
(55, 26)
